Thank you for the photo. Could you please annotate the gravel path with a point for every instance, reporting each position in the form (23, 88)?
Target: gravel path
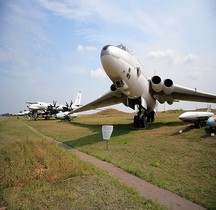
(146, 189)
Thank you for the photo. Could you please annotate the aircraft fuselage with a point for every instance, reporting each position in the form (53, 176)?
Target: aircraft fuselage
(127, 75)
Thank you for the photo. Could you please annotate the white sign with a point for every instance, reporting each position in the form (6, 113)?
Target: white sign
(107, 131)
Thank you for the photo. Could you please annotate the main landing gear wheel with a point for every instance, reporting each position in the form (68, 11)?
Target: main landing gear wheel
(139, 121)
(151, 117)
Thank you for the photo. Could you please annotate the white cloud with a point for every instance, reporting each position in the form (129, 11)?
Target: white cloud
(172, 56)
(190, 58)
(66, 9)
(81, 48)
(98, 73)
(163, 54)
(195, 75)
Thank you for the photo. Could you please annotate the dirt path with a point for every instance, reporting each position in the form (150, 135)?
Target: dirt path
(146, 189)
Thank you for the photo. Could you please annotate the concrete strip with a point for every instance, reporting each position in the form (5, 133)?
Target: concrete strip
(146, 189)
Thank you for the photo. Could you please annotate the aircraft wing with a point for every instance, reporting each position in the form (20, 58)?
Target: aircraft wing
(28, 102)
(108, 99)
(187, 94)
(178, 93)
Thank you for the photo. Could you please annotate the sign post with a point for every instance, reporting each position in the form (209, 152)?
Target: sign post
(107, 132)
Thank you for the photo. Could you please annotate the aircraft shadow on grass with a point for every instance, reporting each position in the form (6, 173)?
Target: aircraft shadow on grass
(118, 130)
(206, 133)
(155, 125)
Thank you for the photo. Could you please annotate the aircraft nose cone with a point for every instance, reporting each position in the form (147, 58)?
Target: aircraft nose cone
(104, 50)
(105, 47)
(182, 117)
(110, 61)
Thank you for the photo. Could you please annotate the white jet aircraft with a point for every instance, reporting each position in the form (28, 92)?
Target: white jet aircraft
(197, 118)
(132, 87)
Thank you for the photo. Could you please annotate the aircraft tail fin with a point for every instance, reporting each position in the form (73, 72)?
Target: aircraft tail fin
(78, 99)
(209, 108)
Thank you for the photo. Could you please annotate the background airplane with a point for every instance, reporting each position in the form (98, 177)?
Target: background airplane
(23, 113)
(49, 109)
(131, 86)
(66, 115)
(41, 109)
(197, 118)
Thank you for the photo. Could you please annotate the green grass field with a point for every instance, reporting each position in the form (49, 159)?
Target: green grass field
(37, 174)
(182, 163)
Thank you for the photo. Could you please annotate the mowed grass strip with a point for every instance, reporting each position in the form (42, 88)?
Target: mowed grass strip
(36, 174)
(183, 163)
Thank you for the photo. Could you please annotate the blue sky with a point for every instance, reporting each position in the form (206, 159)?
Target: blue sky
(49, 49)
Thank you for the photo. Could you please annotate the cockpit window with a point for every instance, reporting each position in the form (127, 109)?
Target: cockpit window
(121, 46)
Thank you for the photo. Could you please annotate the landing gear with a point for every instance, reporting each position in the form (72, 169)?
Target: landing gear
(35, 115)
(141, 119)
(47, 117)
(151, 116)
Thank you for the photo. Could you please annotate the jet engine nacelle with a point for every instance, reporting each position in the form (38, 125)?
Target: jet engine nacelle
(115, 91)
(113, 88)
(169, 100)
(158, 85)
(168, 86)
(161, 99)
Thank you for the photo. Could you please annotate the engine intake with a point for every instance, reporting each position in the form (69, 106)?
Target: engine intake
(115, 91)
(113, 88)
(168, 86)
(158, 85)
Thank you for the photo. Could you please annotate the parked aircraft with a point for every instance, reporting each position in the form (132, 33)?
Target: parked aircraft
(197, 118)
(41, 108)
(23, 113)
(49, 109)
(65, 115)
(132, 87)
